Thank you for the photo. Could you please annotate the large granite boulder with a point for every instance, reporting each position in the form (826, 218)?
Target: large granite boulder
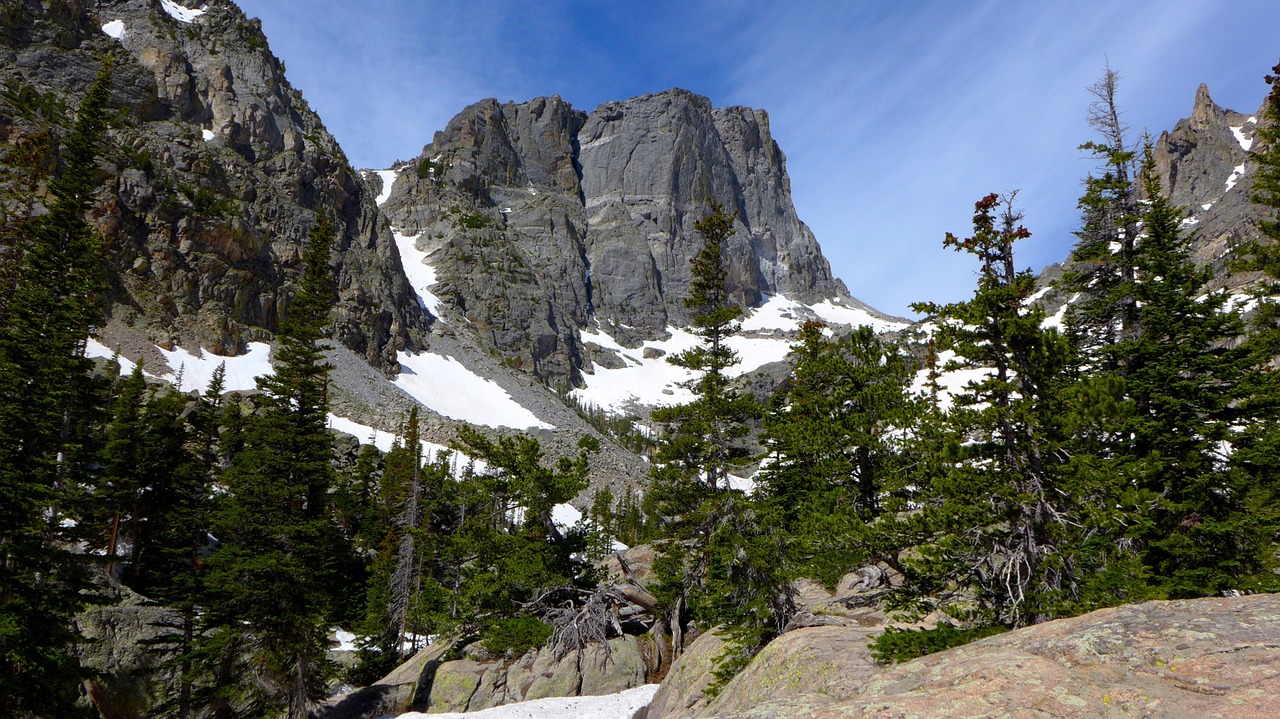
(1189, 659)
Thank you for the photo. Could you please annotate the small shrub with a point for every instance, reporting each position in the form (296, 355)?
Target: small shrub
(900, 645)
(513, 637)
(474, 222)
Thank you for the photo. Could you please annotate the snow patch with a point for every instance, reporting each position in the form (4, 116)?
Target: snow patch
(207, 135)
(1245, 142)
(386, 440)
(448, 388)
(346, 640)
(778, 312)
(746, 485)
(420, 274)
(565, 515)
(1188, 221)
(831, 312)
(197, 369)
(388, 178)
(1235, 177)
(644, 381)
(622, 705)
(654, 381)
(94, 348)
(115, 29)
(180, 13)
(1038, 295)
(950, 382)
(1206, 206)
(1056, 320)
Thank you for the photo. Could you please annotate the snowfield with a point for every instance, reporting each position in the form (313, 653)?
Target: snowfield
(180, 13)
(421, 275)
(193, 371)
(388, 178)
(114, 29)
(446, 387)
(653, 381)
(609, 706)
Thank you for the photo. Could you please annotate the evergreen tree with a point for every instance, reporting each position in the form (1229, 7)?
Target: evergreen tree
(1101, 270)
(835, 441)
(1146, 324)
(399, 562)
(1181, 377)
(48, 407)
(702, 439)
(1257, 446)
(1012, 508)
(271, 575)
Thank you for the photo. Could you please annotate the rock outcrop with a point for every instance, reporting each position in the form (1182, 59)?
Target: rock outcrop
(428, 683)
(1205, 167)
(214, 170)
(1217, 657)
(539, 218)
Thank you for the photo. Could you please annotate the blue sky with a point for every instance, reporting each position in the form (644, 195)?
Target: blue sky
(894, 116)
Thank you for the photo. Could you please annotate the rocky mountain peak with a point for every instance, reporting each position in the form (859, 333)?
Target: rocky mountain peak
(1205, 113)
(1205, 167)
(212, 177)
(539, 219)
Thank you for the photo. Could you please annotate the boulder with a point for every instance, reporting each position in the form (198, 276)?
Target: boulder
(473, 684)
(682, 692)
(1187, 659)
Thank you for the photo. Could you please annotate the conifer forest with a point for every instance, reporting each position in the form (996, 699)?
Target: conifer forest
(1126, 452)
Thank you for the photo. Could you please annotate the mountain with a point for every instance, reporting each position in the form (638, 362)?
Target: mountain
(541, 221)
(215, 169)
(531, 250)
(1204, 165)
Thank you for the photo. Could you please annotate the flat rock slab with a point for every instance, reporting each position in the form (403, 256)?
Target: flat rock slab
(1194, 659)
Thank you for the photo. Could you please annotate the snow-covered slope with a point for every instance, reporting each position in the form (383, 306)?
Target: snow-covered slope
(649, 379)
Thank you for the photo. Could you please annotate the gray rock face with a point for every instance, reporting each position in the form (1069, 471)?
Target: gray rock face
(1203, 161)
(425, 683)
(212, 175)
(540, 218)
(1186, 659)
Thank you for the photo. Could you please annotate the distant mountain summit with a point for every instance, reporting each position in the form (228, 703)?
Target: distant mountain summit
(541, 221)
(1205, 166)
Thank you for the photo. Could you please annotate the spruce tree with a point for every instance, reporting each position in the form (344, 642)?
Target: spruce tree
(1257, 446)
(1101, 269)
(833, 437)
(49, 406)
(1011, 509)
(703, 438)
(271, 575)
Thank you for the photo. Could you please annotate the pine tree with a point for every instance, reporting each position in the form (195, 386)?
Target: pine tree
(1101, 267)
(1011, 507)
(831, 459)
(271, 575)
(1257, 446)
(702, 439)
(1181, 376)
(48, 407)
(1145, 324)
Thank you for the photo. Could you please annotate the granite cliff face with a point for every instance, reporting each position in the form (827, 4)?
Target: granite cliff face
(539, 218)
(1205, 166)
(213, 172)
